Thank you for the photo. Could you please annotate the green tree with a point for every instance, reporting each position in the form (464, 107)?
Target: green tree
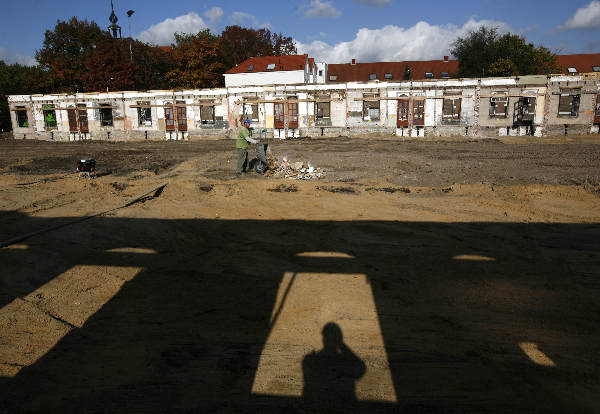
(485, 53)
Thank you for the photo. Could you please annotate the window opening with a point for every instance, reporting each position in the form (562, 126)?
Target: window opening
(250, 68)
(49, 116)
(251, 111)
(207, 114)
(568, 105)
(320, 73)
(572, 69)
(451, 109)
(106, 115)
(372, 76)
(596, 68)
(333, 77)
(428, 75)
(271, 66)
(445, 75)
(499, 107)
(370, 108)
(387, 75)
(144, 114)
(322, 110)
(22, 120)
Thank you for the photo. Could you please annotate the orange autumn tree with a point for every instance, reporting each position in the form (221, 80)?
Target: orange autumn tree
(198, 61)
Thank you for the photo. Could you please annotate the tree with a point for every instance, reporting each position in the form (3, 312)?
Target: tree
(198, 61)
(485, 53)
(240, 43)
(65, 51)
(16, 79)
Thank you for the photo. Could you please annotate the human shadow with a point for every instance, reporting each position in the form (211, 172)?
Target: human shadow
(331, 373)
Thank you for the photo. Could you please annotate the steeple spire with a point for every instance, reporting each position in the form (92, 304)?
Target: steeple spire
(114, 29)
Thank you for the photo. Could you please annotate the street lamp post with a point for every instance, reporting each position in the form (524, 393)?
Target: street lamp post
(129, 14)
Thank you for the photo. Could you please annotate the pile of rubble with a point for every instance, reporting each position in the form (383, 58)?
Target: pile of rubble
(294, 170)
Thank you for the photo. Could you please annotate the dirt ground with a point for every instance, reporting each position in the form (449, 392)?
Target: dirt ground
(415, 276)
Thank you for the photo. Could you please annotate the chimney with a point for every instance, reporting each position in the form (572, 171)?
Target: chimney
(446, 59)
(353, 61)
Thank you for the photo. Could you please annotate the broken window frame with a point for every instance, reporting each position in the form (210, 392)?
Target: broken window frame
(49, 112)
(207, 115)
(455, 104)
(369, 107)
(144, 114)
(322, 111)
(568, 105)
(252, 115)
(494, 106)
(22, 118)
(106, 115)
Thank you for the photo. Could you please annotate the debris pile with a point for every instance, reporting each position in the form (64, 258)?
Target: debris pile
(294, 170)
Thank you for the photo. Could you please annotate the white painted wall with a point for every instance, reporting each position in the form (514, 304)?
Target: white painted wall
(284, 77)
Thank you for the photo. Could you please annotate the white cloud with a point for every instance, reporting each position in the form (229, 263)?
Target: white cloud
(10, 57)
(375, 3)
(318, 8)
(587, 17)
(214, 15)
(162, 33)
(247, 20)
(393, 43)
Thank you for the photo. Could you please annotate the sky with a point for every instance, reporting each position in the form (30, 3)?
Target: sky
(334, 31)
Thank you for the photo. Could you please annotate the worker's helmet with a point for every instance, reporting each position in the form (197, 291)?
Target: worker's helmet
(247, 121)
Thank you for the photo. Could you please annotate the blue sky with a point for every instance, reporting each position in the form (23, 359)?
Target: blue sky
(331, 30)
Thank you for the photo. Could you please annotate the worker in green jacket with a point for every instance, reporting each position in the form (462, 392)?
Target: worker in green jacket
(242, 145)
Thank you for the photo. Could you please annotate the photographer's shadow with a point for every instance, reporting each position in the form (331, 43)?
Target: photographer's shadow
(331, 373)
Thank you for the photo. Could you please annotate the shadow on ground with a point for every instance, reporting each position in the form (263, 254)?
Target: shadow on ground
(454, 302)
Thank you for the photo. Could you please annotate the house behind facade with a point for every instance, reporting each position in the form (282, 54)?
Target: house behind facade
(276, 70)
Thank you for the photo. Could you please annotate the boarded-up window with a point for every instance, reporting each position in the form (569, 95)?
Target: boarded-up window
(499, 107)
(451, 109)
(106, 115)
(251, 111)
(144, 114)
(568, 105)
(207, 114)
(49, 116)
(370, 108)
(322, 110)
(21, 114)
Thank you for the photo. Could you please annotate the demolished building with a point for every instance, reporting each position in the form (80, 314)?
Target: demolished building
(488, 107)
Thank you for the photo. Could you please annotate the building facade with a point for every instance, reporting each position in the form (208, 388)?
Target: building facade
(492, 107)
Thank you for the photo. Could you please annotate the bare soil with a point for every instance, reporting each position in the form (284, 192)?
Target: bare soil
(416, 276)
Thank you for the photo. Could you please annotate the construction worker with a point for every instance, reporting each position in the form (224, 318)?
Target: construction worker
(242, 145)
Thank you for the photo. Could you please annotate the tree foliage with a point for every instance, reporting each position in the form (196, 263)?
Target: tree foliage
(239, 43)
(484, 53)
(198, 61)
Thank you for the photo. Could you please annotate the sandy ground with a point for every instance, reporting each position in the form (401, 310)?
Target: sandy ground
(417, 276)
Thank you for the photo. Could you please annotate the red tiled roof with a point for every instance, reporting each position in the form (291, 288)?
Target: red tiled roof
(291, 62)
(346, 72)
(582, 62)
